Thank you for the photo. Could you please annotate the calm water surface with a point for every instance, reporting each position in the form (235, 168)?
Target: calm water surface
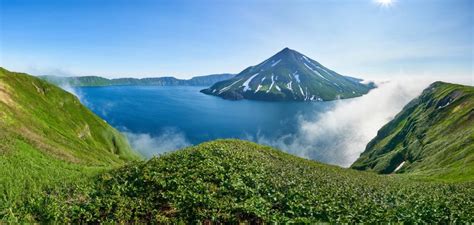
(199, 117)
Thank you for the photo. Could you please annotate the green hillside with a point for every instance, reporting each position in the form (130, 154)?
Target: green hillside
(47, 138)
(433, 135)
(237, 181)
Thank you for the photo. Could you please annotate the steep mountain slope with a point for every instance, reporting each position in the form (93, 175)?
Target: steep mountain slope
(47, 137)
(206, 80)
(236, 181)
(433, 134)
(288, 76)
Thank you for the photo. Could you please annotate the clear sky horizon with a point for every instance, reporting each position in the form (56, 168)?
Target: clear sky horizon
(145, 38)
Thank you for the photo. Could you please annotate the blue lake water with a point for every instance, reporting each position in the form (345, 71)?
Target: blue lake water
(197, 117)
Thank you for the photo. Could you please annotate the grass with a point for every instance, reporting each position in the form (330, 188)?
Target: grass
(237, 181)
(27, 173)
(58, 123)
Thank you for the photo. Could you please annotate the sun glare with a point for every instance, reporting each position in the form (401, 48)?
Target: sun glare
(385, 3)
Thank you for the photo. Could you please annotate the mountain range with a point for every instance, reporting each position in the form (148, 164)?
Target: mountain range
(83, 81)
(289, 76)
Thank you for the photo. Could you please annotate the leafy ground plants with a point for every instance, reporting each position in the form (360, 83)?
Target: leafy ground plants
(236, 181)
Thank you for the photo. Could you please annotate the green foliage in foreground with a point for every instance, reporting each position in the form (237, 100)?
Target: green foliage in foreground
(26, 173)
(236, 181)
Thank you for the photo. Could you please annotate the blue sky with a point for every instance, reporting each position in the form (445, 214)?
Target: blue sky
(116, 38)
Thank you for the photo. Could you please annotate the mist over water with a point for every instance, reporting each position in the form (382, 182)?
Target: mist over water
(339, 135)
(162, 119)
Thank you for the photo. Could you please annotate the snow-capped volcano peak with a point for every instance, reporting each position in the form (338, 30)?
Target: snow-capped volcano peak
(288, 75)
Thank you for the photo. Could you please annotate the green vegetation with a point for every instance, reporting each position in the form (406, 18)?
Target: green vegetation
(238, 181)
(433, 136)
(85, 81)
(61, 163)
(48, 138)
(289, 76)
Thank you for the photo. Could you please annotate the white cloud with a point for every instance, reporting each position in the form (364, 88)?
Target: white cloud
(67, 87)
(148, 146)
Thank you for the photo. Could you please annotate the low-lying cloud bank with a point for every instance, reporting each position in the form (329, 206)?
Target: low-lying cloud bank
(148, 146)
(340, 135)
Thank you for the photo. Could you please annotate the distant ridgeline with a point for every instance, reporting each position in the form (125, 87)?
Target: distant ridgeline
(289, 76)
(84, 81)
(432, 135)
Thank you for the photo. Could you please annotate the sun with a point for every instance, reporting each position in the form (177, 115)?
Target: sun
(385, 3)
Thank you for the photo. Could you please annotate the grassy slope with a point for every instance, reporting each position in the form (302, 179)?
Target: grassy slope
(48, 138)
(232, 180)
(433, 137)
